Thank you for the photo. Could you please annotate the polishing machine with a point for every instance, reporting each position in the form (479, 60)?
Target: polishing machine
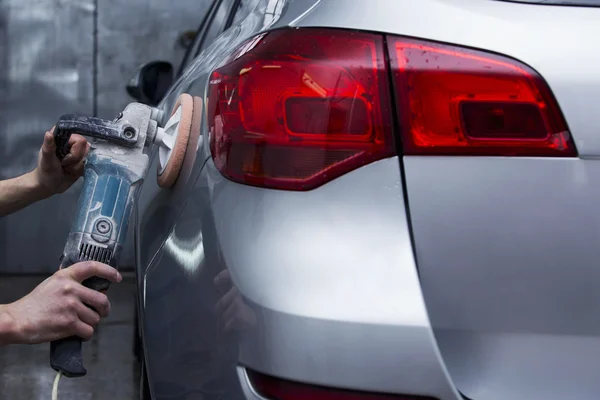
(114, 171)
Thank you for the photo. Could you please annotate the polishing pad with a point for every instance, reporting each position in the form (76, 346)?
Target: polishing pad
(173, 141)
(193, 144)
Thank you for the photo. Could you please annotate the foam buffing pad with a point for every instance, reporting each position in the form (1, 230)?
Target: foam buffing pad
(193, 144)
(174, 141)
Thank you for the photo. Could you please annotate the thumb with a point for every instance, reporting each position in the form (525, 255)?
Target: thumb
(87, 269)
(49, 146)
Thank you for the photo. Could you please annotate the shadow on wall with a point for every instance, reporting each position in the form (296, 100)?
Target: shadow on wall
(53, 63)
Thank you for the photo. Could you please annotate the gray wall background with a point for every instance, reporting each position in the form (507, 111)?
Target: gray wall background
(63, 56)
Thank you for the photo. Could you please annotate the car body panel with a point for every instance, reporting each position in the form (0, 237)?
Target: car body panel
(507, 252)
(504, 247)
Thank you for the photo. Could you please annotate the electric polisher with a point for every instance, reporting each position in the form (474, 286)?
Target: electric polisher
(114, 171)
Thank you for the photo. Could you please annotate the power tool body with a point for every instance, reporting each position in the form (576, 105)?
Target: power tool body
(113, 175)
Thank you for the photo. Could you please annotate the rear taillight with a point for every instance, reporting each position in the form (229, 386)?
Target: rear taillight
(297, 108)
(456, 101)
(277, 389)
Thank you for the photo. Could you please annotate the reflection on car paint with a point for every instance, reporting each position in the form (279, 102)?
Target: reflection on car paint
(188, 253)
(233, 311)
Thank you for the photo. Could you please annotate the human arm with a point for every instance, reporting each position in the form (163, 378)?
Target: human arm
(8, 327)
(58, 308)
(18, 193)
(51, 176)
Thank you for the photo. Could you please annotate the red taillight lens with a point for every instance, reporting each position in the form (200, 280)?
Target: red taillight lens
(456, 101)
(296, 108)
(278, 389)
(300, 107)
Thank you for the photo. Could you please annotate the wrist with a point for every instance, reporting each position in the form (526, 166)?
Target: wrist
(33, 183)
(10, 329)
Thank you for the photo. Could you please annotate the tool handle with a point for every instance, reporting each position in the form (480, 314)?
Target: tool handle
(65, 354)
(112, 131)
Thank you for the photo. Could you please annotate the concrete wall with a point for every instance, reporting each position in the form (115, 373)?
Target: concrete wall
(63, 56)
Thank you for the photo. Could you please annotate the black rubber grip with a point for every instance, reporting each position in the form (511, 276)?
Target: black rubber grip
(61, 138)
(65, 357)
(65, 354)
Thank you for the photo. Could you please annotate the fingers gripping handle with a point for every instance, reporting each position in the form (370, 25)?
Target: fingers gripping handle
(65, 354)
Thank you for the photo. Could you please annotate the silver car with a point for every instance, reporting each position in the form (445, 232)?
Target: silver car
(386, 200)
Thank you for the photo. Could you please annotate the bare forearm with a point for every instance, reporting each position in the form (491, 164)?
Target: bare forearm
(20, 192)
(8, 327)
